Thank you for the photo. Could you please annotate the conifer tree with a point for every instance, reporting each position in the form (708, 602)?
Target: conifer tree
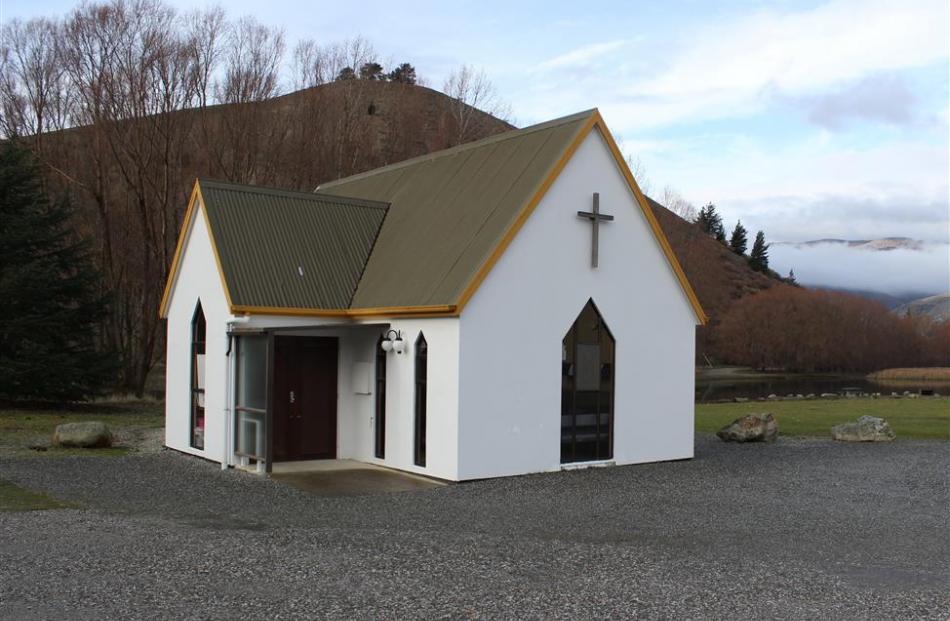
(738, 242)
(51, 294)
(759, 257)
(711, 222)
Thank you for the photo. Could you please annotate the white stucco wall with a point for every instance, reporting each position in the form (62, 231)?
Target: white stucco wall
(442, 337)
(197, 279)
(356, 412)
(512, 328)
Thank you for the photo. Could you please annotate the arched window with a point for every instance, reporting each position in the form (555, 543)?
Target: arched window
(587, 389)
(198, 328)
(380, 400)
(422, 352)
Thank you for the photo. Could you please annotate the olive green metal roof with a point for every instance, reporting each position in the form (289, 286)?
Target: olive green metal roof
(282, 249)
(450, 210)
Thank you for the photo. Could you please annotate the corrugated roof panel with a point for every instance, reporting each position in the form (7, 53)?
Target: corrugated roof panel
(498, 221)
(290, 249)
(449, 210)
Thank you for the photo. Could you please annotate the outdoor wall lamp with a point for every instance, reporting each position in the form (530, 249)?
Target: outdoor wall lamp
(393, 342)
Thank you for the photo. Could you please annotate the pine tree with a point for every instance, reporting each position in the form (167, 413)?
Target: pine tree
(738, 242)
(404, 73)
(372, 71)
(711, 222)
(720, 232)
(52, 304)
(791, 278)
(759, 257)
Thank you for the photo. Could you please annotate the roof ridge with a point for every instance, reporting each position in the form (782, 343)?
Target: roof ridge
(496, 138)
(301, 194)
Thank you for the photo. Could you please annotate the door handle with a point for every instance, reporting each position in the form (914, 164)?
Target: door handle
(291, 396)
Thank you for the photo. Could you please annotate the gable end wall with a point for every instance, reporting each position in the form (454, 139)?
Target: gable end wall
(512, 328)
(197, 278)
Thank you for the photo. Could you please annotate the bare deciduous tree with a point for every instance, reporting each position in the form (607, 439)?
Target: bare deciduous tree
(473, 94)
(674, 201)
(205, 31)
(134, 82)
(252, 63)
(34, 98)
(639, 172)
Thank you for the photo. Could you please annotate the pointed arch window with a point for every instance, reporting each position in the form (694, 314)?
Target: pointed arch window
(422, 353)
(380, 449)
(198, 329)
(587, 389)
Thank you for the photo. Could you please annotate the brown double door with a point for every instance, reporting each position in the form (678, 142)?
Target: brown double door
(305, 395)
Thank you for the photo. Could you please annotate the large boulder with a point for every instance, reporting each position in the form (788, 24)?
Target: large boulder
(90, 434)
(750, 428)
(865, 429)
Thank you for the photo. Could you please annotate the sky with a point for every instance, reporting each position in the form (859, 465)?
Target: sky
(806, 119)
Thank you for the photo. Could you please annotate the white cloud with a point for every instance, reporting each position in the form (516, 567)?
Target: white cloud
(883, 97)
(739, 66)
(803, 51)
(581, 56)
(815, 187)
(897, 272)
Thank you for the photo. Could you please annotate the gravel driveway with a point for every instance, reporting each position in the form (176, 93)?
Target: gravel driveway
(799, 529)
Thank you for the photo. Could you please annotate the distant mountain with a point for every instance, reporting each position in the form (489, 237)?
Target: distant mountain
(884, 243)
(937, 307)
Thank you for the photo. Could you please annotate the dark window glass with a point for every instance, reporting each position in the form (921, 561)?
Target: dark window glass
(380, 400)
(198, 379)
(422, 351)
(587, 389)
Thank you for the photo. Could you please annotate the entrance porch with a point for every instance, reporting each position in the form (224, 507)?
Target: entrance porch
(299, 394)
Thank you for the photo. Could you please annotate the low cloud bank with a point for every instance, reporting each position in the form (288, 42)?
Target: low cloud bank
(896, 272)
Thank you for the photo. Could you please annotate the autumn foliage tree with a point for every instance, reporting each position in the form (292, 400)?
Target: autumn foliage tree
(797, 329)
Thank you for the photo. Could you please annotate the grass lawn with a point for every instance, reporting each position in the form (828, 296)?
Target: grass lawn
(22, 427)
(15, 498)
(924, 418)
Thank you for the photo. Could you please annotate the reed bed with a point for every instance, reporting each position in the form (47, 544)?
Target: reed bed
(922, 374)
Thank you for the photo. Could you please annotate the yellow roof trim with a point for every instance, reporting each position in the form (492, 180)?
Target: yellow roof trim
(428, 311)
(658, 233)
(187, 224)
(597, 121)
(450, 310)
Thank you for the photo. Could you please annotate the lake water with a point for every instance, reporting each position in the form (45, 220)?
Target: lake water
(722, 387)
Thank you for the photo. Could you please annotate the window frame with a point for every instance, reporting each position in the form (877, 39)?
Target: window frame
(379, 439)
(569, 389)
(421, 368)
(199, 328)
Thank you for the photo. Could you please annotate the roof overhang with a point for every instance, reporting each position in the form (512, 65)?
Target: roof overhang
(595, 121)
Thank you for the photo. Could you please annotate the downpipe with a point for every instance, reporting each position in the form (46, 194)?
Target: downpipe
(229, 392)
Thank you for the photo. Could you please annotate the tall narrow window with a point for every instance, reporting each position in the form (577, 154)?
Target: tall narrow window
(422, 352)
(587, 389)
(198, 379)
(380, 400)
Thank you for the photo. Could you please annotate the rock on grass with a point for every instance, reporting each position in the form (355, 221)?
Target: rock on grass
(750, 428)
(92, 434)
(865, 429)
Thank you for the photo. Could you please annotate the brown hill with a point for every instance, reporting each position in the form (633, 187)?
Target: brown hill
(719, 276)
(130, 177)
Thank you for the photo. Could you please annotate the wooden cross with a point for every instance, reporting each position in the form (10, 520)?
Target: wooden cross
(595, 217)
